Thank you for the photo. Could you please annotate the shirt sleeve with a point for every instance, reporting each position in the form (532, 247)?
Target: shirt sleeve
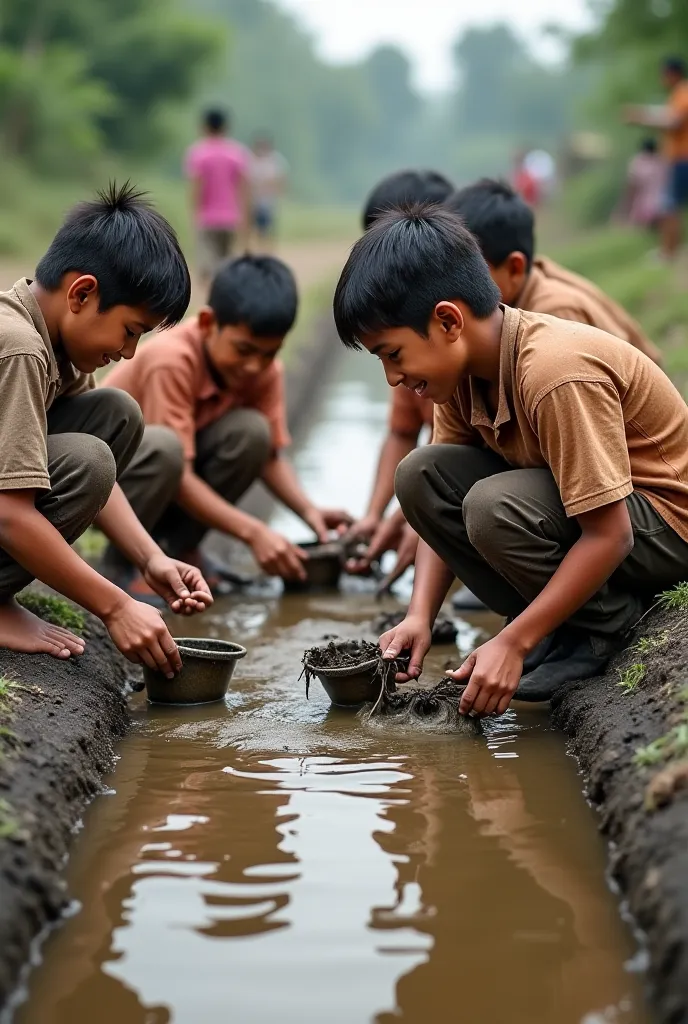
(271, 401)
(634, 337)
(168, 401)
(450, 427)
(23, 452)
(582, 437)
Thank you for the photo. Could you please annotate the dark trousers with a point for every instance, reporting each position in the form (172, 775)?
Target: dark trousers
(230, 454)
(504, 532)
(91, 440)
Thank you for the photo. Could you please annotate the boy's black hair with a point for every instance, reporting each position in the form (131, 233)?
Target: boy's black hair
(258, 291)
(404, 188)
(407, 262)
(501, 221)
(649, 145)
(215, 120)
(130, 249)
(675, 65)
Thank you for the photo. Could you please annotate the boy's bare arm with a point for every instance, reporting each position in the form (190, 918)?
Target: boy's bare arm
(493, 671)
(280, 477)
(137, 630)
(395, 448)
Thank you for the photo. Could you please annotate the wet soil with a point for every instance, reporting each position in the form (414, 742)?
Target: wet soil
(632, 747)
(433, 709)
(58, 727)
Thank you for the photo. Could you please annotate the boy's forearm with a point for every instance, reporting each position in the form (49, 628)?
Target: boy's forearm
(431, 583)
(120, 524)
(279, 476)
(36, 545)
(585, 568)
(395, 448)
(201, 502)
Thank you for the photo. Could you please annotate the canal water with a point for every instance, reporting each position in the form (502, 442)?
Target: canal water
(272, 861)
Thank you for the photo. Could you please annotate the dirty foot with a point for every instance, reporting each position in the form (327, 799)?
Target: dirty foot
(21, 630)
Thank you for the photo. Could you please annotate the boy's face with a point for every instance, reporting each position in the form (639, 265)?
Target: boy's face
(510, 276)
(93, 339)
(431, 366)
(237, 355)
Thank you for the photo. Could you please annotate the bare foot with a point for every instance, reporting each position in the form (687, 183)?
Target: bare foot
(21, 630)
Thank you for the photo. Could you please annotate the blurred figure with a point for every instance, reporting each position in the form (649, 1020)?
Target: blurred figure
(409, 413)
(217, 167)
(672, 119)
(646, 183)
(268, 175)
(524, 181)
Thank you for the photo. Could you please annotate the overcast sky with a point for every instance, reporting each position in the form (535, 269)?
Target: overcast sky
(346, 29)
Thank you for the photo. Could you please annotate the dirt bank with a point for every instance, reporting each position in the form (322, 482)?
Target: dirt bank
(58, 726)
(629, 730)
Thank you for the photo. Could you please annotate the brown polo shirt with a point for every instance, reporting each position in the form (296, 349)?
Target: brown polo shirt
(600, 414)
(32, 375)
(409, 413)
(552, 289)
(170, 379)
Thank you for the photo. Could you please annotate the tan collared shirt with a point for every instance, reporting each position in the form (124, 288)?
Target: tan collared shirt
(170, 379)
(32, 375)
(552, 289)
(600, 414)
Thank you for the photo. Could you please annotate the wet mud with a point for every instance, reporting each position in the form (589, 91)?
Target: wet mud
(432, 709)
(632, 744)
(58, 727)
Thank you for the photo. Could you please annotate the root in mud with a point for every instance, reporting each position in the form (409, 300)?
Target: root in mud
(443, 632)
(434, 710)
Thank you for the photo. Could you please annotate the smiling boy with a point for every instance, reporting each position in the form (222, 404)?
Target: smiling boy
(113, 271)
(556, 483)
(212, 395)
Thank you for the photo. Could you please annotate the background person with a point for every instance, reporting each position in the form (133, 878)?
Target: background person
(268, 178)
(646, 183)
(217, 167)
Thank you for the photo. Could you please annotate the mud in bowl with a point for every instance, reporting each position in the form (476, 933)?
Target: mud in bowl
(207, 668)
(352, 672)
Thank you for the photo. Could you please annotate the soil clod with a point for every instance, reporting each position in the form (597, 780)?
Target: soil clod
(433, 710)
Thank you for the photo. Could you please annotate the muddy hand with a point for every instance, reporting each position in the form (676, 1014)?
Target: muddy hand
(412, 634)
(276, 555)
(181, 585)
(139, 632)
(492, 673)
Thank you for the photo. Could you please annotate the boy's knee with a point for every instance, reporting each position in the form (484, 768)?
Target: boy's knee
(484, 510)
(163, 447)
(90, 465)
(124, 412)
(250, 431)
(411, 475)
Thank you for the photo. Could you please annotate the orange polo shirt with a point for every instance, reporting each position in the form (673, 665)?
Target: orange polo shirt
(170, 379)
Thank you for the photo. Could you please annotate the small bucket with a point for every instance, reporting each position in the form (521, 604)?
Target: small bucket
(351, 686)
(323, 568)
(207, 667)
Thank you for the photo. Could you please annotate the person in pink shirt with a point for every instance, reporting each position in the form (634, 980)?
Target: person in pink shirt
(217, 167)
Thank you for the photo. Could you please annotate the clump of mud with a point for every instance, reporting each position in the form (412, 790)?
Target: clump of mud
(434, 710)
(352, 654)
(443, 632)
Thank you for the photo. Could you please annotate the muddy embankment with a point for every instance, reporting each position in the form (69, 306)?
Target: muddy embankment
(59, 724)
(629, 730)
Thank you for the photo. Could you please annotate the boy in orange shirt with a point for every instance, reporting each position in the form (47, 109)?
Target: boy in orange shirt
(554, 485)
(212, 396)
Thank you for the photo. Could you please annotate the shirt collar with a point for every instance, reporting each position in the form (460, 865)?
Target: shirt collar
(479, 413)
(30, 303)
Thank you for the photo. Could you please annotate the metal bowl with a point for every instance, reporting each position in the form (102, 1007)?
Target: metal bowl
(351, 686)
(207, 667)
(323, 568)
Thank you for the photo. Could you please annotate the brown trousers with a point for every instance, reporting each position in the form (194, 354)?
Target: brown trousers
(504, 532)
(91, 439)
(230, 455)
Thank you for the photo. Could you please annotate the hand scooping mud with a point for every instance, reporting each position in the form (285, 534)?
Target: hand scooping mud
(413, 634)
(492, 673)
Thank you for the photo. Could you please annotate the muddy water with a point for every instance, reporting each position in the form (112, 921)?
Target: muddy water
(269, 860)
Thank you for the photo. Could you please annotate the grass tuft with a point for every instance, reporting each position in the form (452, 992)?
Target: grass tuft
(654, 642)
(56, 610)
(676, 599)
(9, 825)
(664, 748)
(631, 679)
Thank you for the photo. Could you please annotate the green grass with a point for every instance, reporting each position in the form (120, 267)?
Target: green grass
(56, 610)
(654, 642)
(631, 679)
(9, 826)
(676, 599)
(672, 745)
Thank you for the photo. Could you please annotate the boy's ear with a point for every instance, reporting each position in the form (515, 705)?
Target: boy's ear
(82, 290)
(206, 319)
(517, 264)
(451, 319)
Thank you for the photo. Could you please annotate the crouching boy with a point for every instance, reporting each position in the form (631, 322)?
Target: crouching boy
(556, 483)
(212, 395)
(113, 271)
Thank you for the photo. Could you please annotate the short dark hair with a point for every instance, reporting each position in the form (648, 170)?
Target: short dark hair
(131, 250)
(259, 291)
(403, 188)
(216, 120)
(407, 262)
(500, 220)
(649, 145)
(676, 65)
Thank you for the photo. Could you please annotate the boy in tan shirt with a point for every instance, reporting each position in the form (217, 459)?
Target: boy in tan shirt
(556, 484)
